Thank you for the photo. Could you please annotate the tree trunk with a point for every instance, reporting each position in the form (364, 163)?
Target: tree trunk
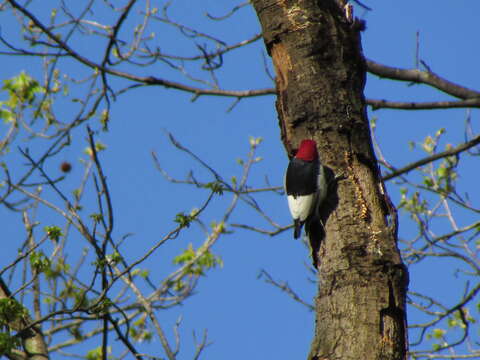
(320, 77)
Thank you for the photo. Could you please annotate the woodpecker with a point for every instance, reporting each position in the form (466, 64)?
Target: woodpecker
(305, 184)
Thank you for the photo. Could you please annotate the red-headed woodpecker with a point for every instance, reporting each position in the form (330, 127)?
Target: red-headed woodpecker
(305, 184)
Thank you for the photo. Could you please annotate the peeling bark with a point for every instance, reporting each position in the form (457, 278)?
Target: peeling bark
(320, 77)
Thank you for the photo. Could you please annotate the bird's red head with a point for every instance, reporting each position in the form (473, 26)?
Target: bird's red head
(307, 150)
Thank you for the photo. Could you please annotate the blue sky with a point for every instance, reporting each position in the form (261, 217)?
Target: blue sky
(244, 316)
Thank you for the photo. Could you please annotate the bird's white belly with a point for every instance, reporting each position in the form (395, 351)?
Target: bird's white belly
(300, 206)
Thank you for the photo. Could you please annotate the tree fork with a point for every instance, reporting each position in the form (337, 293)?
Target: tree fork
(320, 77)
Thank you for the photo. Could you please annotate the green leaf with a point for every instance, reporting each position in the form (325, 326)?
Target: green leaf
(143, 273)
(115, 258)
(11, 310)
(428, 181)
(39, 261)
(442, 172)
(183, 220)
(22, 89)
(215, 186)
(96, 217)
(7, 115)
(254, 142)
(428, 144)
(8, 343)
(452, 322)
(186, 256)
(104, 119)
(53, 232)
(219, 227)
(102, 307)
(438, 333)
(97, 353)
(139, 331)
(179, 285)
(203, 262)
(100, 146)
(57, 269)
(440, 132)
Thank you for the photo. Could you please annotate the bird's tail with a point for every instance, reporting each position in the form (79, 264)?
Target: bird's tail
(298, 228)
(315, 233)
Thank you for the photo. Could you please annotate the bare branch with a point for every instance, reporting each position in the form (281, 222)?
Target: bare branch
(262, 231)
(230, 13)
(146, 80)
(421, 77)
(428, 105)
(283, 286)
(429, 159)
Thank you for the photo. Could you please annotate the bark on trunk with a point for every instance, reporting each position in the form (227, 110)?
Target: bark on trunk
(320, 77)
